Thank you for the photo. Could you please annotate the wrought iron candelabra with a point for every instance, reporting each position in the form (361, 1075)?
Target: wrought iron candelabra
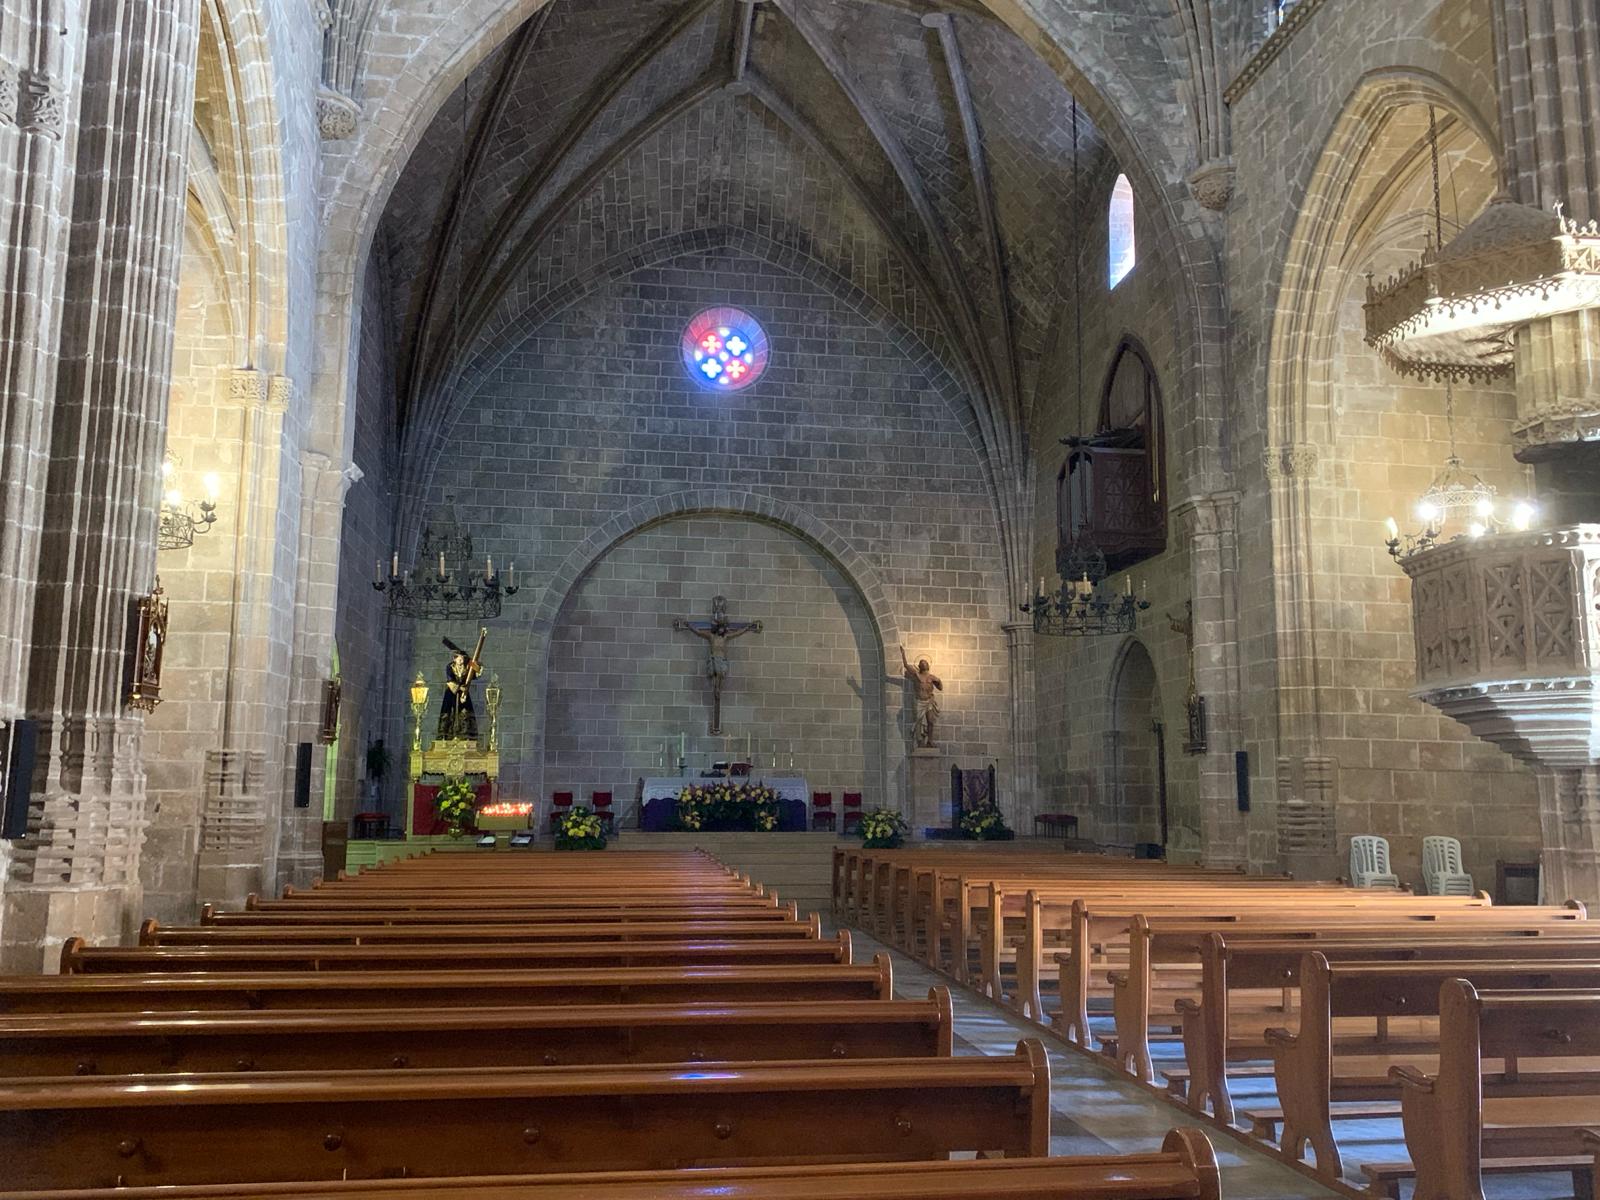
(455, 589)
(1081, 607)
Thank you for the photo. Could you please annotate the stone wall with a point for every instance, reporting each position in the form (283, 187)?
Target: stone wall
(807, 689)
(1077, 679)
(591, 428)
(1329, 441)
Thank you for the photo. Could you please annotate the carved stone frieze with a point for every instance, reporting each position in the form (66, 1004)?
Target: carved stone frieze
(1212, 184)
(338, 116)
(41, 106)
(248, 387)
(10, 86)
(1294, 459)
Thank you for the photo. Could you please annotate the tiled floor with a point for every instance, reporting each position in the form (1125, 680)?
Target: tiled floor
(1096, 1111)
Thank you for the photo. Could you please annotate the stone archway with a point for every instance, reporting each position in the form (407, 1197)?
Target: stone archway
(885, 758)
(1135, 754)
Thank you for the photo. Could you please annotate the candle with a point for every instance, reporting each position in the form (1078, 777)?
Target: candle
(1127, 581)
(1394, 529)
(747, 757)
(683, 746)
(441, 564)
(488, 568)
(377, 570)
(394, 567)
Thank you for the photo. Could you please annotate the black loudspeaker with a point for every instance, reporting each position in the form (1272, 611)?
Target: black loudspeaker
(18, 777)
(302, 775)
(1148, 850)
(1241, 778)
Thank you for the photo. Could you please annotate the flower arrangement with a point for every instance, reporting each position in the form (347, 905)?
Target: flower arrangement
(456, 804)
(882, 829)
(724, 804)
(985, 824)
(579, 829)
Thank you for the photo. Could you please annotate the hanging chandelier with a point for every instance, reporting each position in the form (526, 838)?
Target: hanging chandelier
(1452, 314)
(1458, 503)
(182, 521)
(446, 584)
(1083, 606)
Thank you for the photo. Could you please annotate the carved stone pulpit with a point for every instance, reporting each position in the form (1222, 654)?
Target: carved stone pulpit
(1508, 643)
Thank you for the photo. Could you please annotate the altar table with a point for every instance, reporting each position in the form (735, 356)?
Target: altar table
(659, 799)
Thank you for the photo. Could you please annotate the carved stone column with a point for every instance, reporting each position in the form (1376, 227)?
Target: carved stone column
(1306, 800)
(1023, 784)
(238, 845)
(38, 66)
(323, 485)
(1210, 527)
(77, 871)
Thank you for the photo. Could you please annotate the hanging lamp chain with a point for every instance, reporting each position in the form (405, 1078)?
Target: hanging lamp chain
(1438, 244)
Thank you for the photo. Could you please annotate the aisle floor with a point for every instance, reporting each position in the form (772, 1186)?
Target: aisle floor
(1094, 1110)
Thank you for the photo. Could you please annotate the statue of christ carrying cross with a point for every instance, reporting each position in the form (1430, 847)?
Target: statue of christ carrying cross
(717, 632)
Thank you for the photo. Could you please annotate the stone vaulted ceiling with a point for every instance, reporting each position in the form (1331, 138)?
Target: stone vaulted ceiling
(922, 153)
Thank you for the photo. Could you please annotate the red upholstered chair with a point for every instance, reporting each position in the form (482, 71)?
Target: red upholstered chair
(822, 810)
(740, 770)
(602, 809)
(560, 802)
(852, 810)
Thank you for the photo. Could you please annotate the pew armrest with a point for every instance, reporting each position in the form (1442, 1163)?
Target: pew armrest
(1279, 1036)
(1409, 1078)
(1117, 979)
(1188, 1006)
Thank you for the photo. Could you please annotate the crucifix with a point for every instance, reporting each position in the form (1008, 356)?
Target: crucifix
(717, 632)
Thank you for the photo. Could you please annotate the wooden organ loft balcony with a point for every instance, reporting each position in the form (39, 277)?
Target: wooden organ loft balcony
(1108, 495)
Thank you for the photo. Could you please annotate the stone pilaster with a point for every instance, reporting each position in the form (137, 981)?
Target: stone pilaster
(324, 483)
(1023, 782)
(1307, 781)
(238, 844)
(1569, 820)
(1210, 526)
(77, 871)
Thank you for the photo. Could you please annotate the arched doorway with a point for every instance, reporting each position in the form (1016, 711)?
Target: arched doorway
(1136, 774)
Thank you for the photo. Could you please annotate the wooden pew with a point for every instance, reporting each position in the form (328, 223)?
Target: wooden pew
(94, 1132)
(78, 959)
(1457, 1122)
(1096, 927)
(1184, 1169)
(213, 991)
(1100, 916)
(1263, 970)
(327, 905)
(552, 928)
(1318, 1066)
(388, 1038)
(1168, 941)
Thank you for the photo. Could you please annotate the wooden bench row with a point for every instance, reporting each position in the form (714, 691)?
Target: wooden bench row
(1184, 1169)
(480, 1020)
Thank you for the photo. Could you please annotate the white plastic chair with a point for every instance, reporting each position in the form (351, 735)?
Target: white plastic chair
(1369, 863)
(1442, 873)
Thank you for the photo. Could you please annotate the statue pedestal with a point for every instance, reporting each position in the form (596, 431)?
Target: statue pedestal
(930, 790)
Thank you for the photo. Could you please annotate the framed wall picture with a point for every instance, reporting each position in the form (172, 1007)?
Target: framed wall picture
(332, 692)
(149, 648)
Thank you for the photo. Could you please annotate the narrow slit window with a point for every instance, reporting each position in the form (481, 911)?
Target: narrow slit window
(1123, 252)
